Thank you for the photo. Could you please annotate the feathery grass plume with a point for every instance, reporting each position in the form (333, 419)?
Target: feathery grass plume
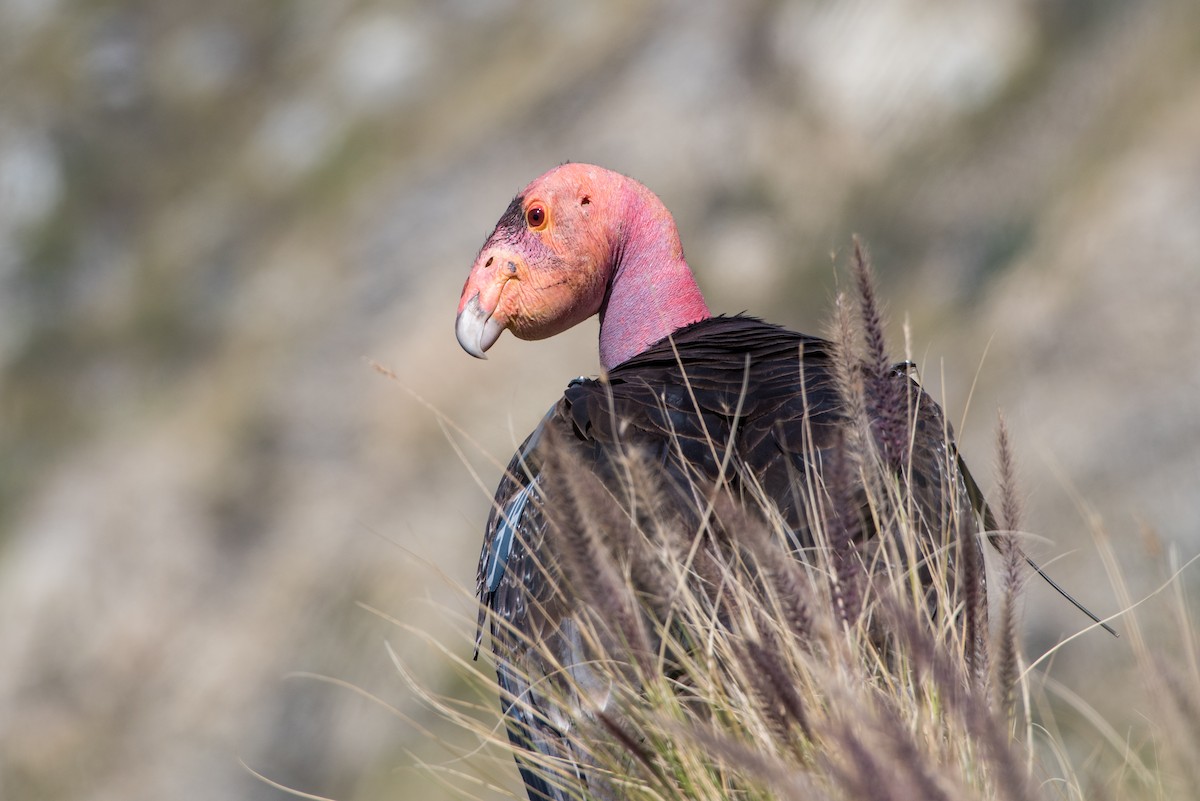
(644, 499)
(859, 770)
(949, 679)
(886, 413)
(886, 408)
(772, 774)
(842, 524)
(779, 608)
(591, 537)
(1005, 665)
(847, 364)
(844, 530)
(774, 687)
(927, 781)
(789, 584)
(1010, 505)
(972, 583)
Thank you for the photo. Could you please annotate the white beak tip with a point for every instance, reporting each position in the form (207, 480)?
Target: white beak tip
(476, 331)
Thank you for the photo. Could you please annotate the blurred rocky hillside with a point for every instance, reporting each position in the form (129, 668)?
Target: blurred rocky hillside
(214, 216)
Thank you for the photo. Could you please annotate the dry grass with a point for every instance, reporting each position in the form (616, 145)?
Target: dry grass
(724, 665)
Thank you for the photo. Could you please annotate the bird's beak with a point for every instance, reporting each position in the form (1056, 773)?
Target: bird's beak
(484, 307)
(476, 329)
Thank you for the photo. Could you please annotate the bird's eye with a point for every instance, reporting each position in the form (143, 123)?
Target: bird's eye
(535, 216)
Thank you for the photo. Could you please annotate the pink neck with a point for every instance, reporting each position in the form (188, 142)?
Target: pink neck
(652, 292)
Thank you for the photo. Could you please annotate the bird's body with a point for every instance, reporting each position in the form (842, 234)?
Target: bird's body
(705, 401)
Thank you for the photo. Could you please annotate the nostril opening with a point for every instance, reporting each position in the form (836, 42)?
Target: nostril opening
(489, 261)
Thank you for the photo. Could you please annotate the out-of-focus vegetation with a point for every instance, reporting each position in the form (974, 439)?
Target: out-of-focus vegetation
(211, 213)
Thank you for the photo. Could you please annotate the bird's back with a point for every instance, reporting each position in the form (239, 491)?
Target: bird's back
(729, 399)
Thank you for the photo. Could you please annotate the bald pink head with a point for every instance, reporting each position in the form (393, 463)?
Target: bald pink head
(581, 240)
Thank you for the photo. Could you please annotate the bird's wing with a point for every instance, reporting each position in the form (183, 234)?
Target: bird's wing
(540, 657)
(730, 401)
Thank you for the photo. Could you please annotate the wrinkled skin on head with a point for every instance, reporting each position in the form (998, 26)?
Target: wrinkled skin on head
(540, 273)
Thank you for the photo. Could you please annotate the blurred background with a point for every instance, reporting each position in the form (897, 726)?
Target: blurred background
(214, 217)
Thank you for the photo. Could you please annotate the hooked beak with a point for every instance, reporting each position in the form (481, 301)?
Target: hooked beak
(476, 329)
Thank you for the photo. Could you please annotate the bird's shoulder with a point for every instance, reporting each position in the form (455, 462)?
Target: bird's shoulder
(703, 381)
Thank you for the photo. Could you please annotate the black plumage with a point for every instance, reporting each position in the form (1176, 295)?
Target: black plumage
(733, 402)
